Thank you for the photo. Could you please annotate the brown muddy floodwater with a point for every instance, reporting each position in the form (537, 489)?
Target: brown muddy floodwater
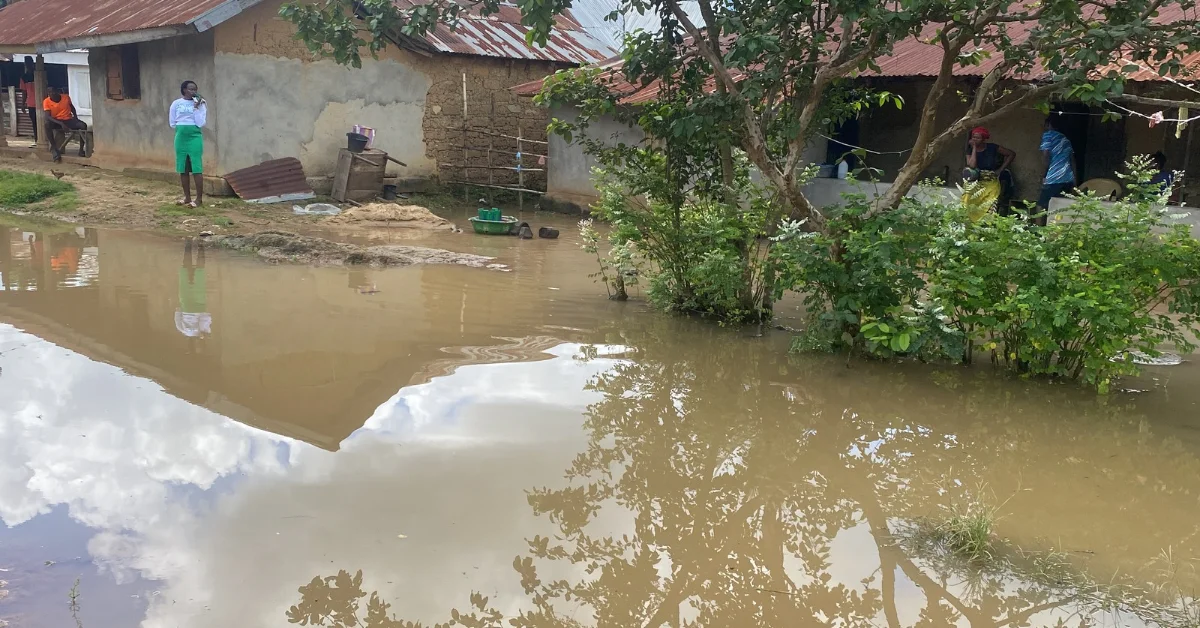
(204, 440)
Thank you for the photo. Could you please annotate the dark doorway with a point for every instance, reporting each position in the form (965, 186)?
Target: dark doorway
(845, 138)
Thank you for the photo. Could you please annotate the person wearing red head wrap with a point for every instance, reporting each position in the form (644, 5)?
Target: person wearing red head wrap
(985, 159)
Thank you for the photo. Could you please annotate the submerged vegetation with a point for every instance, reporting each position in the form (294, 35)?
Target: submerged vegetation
(1075, 299)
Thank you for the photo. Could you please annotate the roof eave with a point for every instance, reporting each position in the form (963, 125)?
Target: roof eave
(199, 24)
(114, 39)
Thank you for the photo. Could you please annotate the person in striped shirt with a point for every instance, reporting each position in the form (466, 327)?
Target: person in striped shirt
(1058, 159)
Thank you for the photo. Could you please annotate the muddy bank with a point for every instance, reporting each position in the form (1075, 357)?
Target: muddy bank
(290, 248)
(104, 198)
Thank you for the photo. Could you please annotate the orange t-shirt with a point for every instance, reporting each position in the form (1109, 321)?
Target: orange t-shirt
(60, 110)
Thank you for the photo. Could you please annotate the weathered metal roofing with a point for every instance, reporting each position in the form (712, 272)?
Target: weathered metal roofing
(502, 35)
(914, 57)
(909, 58)
(271, 181)
(54, 25)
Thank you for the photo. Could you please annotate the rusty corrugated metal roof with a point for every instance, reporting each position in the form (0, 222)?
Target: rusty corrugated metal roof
(502, 35)
(909, 58)
(271, 181)
(31, 22)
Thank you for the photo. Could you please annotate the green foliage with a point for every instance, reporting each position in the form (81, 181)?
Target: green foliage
(1075, 299)
(343, 30)
(619, 267)
(862, 277)
(22, 188)
(699, 255)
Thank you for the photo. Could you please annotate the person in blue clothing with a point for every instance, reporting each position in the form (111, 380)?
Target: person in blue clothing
(1058, 159)
(1164, 178)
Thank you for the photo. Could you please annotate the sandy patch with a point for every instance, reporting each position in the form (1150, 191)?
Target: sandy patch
(391, 215)
(283, 247)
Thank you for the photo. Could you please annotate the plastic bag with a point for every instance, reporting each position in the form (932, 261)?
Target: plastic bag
(317, 209)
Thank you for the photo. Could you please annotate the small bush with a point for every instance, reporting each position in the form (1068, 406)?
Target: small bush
(22, 188)
(698, 255)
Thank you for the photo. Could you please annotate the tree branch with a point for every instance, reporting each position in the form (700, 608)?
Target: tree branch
(1155, 102)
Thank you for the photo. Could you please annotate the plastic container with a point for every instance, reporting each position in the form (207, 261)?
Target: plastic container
(356, 142)
(390, 192)
(493, 227)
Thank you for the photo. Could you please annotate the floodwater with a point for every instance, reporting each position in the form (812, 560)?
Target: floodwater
(195, 439)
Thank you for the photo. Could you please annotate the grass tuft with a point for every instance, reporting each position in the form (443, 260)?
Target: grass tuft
(969, 534)
(23, 188)
(182, 210)
(65, 202)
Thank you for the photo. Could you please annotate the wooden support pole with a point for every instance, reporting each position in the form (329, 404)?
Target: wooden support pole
(12, 106)
(3, 127)
(466, 173)
(520, 173)
(491, 172)
(39, 95)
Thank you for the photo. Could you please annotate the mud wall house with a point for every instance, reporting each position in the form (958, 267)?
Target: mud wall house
(270, 98)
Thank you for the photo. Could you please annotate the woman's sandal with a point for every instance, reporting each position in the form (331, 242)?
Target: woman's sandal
(182, 202)
(193, 204)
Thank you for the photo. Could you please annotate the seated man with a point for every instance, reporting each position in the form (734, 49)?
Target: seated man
(61, 116)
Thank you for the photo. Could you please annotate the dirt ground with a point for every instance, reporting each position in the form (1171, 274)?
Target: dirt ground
(284, 247)
(111, 199)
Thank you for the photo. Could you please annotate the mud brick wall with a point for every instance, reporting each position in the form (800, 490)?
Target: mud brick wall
(491, 107)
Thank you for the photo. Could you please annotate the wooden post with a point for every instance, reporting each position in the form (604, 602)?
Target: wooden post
(491, 173)
(520, 174)
(12, 106)
(3, 129)
(39, 95)
(466, 173)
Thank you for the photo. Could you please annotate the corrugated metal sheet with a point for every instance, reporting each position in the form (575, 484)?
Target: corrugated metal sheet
(914, 57)
(275, 180)
(30, 22)
(502, 35)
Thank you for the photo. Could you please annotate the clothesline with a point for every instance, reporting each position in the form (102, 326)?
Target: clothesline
(866, 150)
(1156, 120)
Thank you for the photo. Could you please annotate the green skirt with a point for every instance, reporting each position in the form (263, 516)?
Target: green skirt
(189, 142)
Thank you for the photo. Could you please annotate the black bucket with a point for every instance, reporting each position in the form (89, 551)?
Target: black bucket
(390, 192)
(356, 142)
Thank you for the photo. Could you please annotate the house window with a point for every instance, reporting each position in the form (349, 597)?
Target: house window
(124, 73)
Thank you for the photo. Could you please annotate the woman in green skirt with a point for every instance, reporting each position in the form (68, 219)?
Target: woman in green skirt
(188, 115)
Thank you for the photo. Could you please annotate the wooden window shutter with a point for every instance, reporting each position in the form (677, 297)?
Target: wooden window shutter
(131, 72)
(116, 86)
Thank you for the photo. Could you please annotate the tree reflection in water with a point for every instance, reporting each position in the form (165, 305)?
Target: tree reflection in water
(740, 468)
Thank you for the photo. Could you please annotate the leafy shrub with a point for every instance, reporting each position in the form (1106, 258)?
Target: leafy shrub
(698, 255)
(23, 188)
(1074, 299)
(861, 279)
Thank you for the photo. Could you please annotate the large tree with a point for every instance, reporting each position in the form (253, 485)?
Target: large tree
(778, 69)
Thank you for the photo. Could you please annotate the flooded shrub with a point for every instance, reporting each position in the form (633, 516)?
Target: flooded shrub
(1075, 299)
(697, 255)
(860, 278)
(23, 188)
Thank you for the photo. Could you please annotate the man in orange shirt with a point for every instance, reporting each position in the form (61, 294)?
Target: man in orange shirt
(61, 115)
